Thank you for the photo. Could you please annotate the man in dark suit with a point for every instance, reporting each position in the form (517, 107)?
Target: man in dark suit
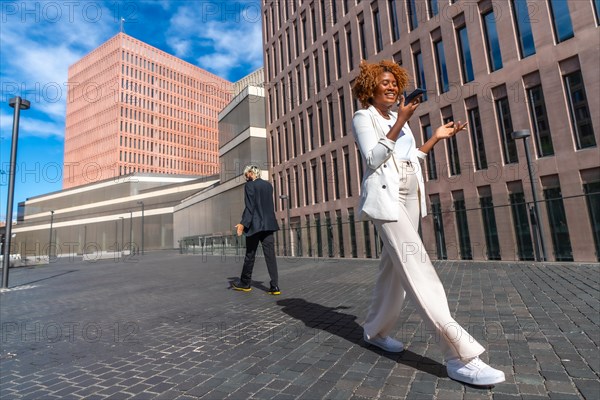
(258, 223)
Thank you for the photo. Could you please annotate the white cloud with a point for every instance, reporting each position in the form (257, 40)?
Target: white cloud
(30, 126)
(37, 49)
(223, 32)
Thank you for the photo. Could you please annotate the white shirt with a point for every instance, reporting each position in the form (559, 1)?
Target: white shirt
(405, 142)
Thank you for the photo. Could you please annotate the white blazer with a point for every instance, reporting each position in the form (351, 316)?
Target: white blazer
(381, 181)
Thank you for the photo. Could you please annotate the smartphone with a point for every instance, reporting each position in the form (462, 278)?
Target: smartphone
(415, 93)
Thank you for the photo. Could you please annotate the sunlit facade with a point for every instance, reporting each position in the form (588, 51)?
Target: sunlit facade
(502, 66)
(134, 108)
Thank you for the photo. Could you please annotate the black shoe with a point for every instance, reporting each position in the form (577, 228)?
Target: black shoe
(274, 290)
(240, 286)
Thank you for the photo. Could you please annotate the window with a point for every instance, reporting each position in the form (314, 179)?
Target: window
(313, 170)
(303, 135)
(349, 48)
(462, 226)
(334, 12)
(329, 233)
(305, 179)
(438, 227)
(338, 57)
(304, 33)
(558, 224)
(451, 146)
(377, 24)
(579, 111)
(327, 67)
(294, 139)
(296, 40)
(342, 111)
(311, 128)
(420, 73)
(319, 235)
(363, 41)
(432, 8)
(321, 126)
(465, 54)
(317, 74)
(539, 116)
(431, 166)
(367, 239)
(521, 226)
(561, 20)
(442, 72)
(334, 177)
(348, 170)
(325, 180)
(592, 197)
(477, 139)
(313, 21)
(492, 41)
(413, 21)
(489, 226)
(596, 4)
(509, 146)
(332, 125)
(394, 24)
(352, 224)
(340, 229)
(523, 28)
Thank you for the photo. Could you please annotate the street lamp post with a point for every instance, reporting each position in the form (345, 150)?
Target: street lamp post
(18, 104)
(50, 240)
(535, 211)
(130, 232)
(142, 204)
(286, 197)
(122, 234)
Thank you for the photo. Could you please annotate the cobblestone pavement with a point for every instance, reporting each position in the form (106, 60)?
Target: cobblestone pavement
(167, 326)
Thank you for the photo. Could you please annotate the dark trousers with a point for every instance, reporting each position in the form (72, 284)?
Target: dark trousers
(268, 245)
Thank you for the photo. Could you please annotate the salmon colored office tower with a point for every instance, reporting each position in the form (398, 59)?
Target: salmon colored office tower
(134, 108)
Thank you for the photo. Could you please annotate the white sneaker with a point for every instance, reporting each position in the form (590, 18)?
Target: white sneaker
(474, 372)
(386, 343)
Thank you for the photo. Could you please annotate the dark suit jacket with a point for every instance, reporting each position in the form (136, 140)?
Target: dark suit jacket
(259, 213)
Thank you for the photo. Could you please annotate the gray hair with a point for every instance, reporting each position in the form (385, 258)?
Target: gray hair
(254, 169)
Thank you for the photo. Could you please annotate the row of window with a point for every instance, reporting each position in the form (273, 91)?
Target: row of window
(142, 159)
(523, 220)
(165, 147)
(146, 97)
(194, 126)
(309, 131)
(170, 93)
(329, 177)
(326, 236)
(213, 89)
(170, 166)
(521, 19)
(303, 136)
(581, 123)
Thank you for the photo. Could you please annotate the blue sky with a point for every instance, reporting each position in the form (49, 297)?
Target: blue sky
(40, 39)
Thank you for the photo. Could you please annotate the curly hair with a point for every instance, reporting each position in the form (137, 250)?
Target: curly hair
(366, 82)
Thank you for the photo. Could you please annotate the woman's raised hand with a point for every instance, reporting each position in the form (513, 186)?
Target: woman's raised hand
(448, 130)
(406, 111)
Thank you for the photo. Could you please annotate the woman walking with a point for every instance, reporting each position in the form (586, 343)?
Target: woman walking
(393, 197)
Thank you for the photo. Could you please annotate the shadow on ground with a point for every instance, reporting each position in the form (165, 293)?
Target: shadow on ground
(344, 325)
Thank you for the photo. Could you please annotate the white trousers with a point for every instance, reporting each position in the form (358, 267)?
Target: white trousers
(405, 268)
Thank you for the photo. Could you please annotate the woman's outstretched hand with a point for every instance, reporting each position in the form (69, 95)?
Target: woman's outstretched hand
(448, 130)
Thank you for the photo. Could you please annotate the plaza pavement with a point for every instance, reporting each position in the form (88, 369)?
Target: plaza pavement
(167, 326)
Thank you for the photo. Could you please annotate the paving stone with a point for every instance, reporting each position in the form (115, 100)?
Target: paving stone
(538, 323)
